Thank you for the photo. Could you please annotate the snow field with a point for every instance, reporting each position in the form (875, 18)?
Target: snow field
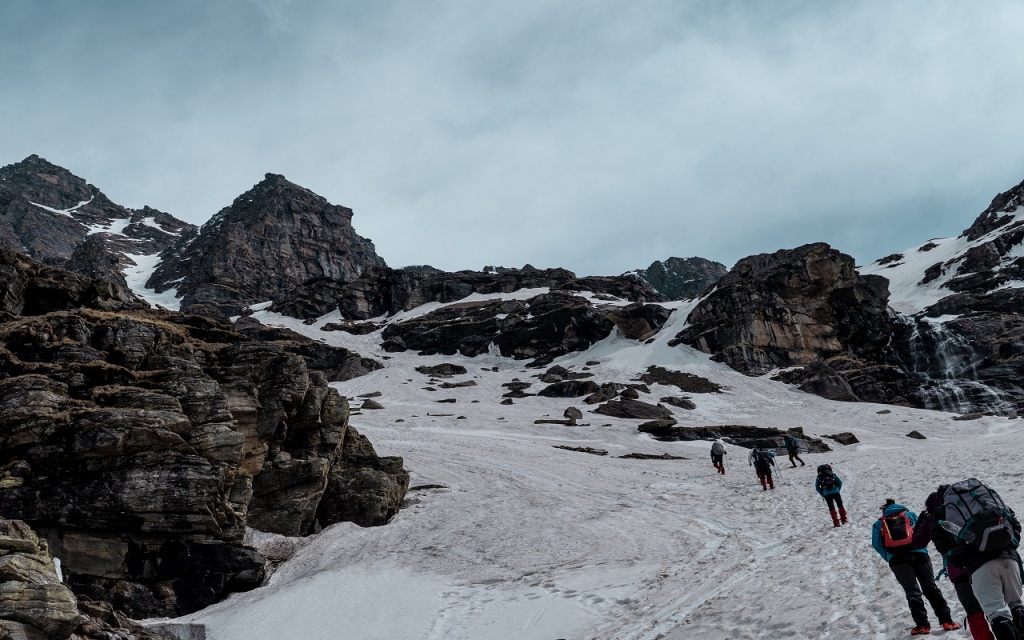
(527, 541)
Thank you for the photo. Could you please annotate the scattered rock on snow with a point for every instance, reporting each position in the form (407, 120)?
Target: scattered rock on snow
(686, 382)
(444, 370)
(682, 403)
(596, 452)
(843, 438)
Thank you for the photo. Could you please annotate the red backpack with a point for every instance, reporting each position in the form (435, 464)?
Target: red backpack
(897, 531)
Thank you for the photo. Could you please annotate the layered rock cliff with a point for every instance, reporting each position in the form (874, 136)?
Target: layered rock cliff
(140, 443)
(269, 241)
(809, 308)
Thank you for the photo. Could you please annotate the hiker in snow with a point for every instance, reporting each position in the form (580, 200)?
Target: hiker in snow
(793, 448)
(828, 485)
(718, 454)
(979, 533)
(763, 461)
(892, 536)
(961, 580)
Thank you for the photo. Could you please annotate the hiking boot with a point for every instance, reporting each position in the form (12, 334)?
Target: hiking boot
(950, 626)
(920, 631)
(1004, 629)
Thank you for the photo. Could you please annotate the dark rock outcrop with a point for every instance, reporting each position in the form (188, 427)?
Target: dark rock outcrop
(744, 436)
(266, 244)
(383, 291)
(633, 409)
(803, 307)
(682, 278)
(542, 328)
(139, 444)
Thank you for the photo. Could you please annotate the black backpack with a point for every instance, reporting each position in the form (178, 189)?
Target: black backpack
(826, 479)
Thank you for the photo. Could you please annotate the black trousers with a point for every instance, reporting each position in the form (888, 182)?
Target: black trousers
(794, 454)
(834, 501)
(913, 571)
(965, 595)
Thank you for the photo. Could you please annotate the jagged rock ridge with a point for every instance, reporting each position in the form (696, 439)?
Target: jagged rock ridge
(57, 218)
(682, 278)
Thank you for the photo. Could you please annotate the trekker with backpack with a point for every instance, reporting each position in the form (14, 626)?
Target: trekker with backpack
(718, 454)
(828, 485)
(793, 449)
(892, 536)
(976, 621)
(977, 532)
(763, 461)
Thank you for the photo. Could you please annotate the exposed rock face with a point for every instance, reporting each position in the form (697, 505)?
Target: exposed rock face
(801, 307)
(383, 291)
(29, 288)
(267, 243)
(542, 328)
(967, 349)
(31, 592)
(682, 278)
(48, 213)
(140, 444)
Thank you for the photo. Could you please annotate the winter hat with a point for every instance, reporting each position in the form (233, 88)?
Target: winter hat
(888, 503)
(933, 501)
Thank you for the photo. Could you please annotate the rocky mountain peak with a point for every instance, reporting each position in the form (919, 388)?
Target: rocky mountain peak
(998, 213)
(681, 278)
(49, 213)
(271, 239)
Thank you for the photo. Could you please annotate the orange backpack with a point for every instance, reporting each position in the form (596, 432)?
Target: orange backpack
(897, 531)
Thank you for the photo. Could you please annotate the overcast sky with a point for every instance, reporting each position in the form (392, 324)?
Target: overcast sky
(595, 135)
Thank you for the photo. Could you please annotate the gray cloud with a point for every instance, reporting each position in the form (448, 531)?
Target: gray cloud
(597, 135)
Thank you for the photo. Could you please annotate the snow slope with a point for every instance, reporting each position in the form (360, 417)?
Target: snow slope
(908, 295)
(527, 541)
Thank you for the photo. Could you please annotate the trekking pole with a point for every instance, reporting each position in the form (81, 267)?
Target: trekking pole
(778, 472)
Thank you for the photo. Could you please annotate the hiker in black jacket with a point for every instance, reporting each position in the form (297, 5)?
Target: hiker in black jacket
(763, 461)
(995, 575)
(793, 449)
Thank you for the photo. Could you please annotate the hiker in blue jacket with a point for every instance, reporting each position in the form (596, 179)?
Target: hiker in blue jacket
(892, 537)
(828, 485)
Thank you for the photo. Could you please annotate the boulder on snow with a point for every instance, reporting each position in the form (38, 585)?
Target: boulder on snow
(843, 438)
(633, 409)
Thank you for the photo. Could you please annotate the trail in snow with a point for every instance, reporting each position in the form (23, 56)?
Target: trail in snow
(527, 541)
